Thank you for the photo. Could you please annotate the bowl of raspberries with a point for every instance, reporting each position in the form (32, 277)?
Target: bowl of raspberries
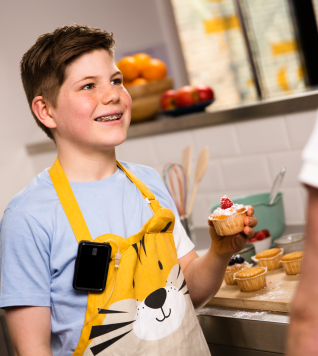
(261, 240)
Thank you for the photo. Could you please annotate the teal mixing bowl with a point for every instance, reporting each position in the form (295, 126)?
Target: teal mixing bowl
(270, 217)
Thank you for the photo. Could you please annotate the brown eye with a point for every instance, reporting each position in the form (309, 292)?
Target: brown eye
(117, 81)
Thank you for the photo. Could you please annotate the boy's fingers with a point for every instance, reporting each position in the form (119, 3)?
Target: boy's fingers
(240, 241)
(250, 221)
(248, 231)
(250, 210)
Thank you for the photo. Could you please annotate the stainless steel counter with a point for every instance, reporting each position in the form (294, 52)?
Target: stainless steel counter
(243, 332)
(231, 331)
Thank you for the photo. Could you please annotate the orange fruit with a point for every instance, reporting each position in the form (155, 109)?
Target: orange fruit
(139, 81)
(141, 60)
(129, 68)
(126, 83)
(155, 69)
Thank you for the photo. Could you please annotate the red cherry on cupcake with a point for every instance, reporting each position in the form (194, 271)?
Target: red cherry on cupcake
(226, 202)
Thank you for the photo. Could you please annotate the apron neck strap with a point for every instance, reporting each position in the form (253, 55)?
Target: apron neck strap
(69, 203)
(145, 192)
(71, 207)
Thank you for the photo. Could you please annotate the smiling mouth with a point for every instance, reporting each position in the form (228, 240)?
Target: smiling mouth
(164, 316)
(109, 118)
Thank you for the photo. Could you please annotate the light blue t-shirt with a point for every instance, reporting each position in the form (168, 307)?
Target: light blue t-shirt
(38, 247)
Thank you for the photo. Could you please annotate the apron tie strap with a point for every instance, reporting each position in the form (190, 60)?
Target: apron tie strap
(68, 202)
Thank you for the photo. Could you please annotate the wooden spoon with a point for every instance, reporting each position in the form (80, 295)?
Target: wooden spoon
(200, 169)
(186, 160)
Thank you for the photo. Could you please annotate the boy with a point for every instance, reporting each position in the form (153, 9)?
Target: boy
(76, 95)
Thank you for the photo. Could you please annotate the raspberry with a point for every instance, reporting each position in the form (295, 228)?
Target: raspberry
(226, 202)
(260, 236)
(266, 232)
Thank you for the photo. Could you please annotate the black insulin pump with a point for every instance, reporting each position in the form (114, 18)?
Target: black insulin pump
(91, 266)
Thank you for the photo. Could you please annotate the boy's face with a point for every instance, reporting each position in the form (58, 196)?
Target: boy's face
(93, 107)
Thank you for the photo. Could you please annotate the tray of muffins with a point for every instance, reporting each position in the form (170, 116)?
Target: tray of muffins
(268, 283)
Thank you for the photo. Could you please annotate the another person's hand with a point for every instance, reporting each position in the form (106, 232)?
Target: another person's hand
(226, 246)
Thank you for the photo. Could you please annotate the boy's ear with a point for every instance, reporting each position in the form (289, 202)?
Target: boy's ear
(42, 111)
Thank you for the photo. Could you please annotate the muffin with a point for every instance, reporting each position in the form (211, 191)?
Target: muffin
(251, 279)
(237, 263)
(269, 258)
(228, 218)
(292, 262)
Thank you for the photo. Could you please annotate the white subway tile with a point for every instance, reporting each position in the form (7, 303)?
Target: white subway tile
(299, 127)
(265, 135)
(16, 174)
(291, 160)
(304, 198)
(212, 179)
(139, 150)
(221, 140)
(41, 161)
(293, 206)
(243, 173)
(200, 212)
(168, 147)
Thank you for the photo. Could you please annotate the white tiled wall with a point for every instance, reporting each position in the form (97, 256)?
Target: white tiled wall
(244, 158)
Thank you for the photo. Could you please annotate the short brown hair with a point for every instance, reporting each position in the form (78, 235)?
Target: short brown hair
(43, 66)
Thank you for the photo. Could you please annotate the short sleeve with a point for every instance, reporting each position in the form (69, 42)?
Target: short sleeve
(24, 261)
(309, 172)
(182, 241)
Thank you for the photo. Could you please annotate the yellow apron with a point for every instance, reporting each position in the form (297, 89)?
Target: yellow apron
(149, 311)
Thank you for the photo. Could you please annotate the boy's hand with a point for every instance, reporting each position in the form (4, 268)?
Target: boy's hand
(226, 246)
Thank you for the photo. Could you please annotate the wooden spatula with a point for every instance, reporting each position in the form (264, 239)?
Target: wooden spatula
(200, 169)
(186, 160)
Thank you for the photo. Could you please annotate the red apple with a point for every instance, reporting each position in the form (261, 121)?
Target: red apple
(186, 96)
(168, 100)
(205, 92)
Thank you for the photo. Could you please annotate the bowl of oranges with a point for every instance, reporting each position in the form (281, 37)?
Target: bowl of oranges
(145, 79)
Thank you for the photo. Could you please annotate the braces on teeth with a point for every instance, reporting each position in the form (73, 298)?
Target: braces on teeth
(109, 118)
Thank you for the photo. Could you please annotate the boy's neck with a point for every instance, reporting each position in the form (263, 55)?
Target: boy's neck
(87, 167)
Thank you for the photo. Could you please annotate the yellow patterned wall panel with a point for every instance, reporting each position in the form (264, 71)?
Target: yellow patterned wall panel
(283, 47)
(220, 24)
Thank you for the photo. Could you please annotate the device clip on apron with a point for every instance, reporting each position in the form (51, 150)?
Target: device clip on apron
(149, 311)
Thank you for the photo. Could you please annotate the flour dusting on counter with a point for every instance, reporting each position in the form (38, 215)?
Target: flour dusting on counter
(275, 292)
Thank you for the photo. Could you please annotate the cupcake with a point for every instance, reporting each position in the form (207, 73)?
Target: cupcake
(251, 279)
(237, 263)
(292, 262)
(228, 218)
(269, 258)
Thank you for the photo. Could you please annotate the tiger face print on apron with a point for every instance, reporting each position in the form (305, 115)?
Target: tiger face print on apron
(150, 311)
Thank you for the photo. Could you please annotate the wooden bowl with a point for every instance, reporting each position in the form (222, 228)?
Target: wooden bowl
(146, 98)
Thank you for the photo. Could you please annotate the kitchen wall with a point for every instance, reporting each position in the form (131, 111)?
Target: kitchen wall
(136, 25)
(245, 158)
